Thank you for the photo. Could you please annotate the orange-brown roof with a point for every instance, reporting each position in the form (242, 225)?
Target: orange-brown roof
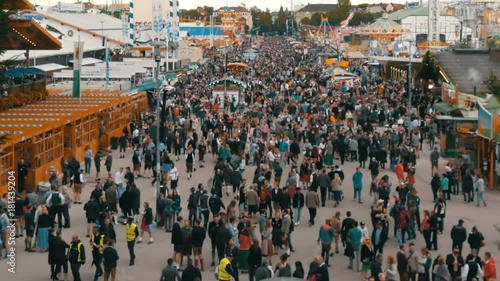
(17, 5)
(29, 35)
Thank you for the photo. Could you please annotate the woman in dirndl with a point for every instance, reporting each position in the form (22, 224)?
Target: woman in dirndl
(277, 222)
(267, 242)
(304, 174)
(147, 223)
(45, 223)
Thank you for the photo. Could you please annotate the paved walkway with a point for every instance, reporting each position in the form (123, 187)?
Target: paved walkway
(152, 258)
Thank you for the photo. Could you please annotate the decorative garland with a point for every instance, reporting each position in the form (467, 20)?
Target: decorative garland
(20, 99)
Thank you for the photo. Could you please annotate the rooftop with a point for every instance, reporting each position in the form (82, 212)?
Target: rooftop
(411, 12)
(468, 68)
(235, 9)
(318, 8)
(201, 30)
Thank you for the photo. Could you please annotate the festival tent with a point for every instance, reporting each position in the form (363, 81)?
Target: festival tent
(339, 73)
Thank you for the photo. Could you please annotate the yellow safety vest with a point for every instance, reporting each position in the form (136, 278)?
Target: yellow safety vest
(223, 274)
(78, 247)
(101, 242)
(131, 232)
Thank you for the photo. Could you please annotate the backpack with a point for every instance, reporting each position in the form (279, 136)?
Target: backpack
(55, 199)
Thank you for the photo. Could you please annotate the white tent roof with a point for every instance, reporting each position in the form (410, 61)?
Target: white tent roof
(88, 61)
(50, 67)
(356, 55)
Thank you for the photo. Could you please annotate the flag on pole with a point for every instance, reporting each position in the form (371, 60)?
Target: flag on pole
(107, 61)
(77, 66)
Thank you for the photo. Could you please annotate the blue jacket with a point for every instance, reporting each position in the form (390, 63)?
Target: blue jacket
(326, 234)
(357, 180)
(354, 236)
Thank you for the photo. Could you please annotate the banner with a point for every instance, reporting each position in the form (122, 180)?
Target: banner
(77, 66)
(484, 122)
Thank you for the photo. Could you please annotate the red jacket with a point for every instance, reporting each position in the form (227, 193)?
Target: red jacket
(490, 270)
(400, 171)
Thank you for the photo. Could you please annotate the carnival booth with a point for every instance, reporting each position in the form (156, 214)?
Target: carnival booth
(383, 31)
(44, 132)
(226, 91)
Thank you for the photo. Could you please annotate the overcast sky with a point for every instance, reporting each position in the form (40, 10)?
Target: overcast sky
(263, 4)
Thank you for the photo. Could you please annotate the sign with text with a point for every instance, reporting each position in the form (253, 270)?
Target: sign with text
(484, 122)
(450, 94)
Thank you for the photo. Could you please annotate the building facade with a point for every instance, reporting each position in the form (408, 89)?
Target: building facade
(238, 12)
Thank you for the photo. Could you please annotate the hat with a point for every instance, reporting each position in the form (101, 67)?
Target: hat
(229, 255)
(461, 221)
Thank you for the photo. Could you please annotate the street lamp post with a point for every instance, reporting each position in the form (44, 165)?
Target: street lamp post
(157, 57)
(409, 77)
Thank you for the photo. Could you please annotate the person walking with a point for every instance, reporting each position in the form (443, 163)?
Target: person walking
(57, 252)
(131, 235)
(147, 223)
(489, 267)
(357, 182)
(110, 260)
(55, 202)
(326, 237)
(226, 272)
(312, 203)
(402, 263)
(480, 190)
(475, 239)
(198, 237)
(97, 244)
(76, 257)
(458, 235)
(354, 237)
(413, 262)
(324, 185)
(170, 272)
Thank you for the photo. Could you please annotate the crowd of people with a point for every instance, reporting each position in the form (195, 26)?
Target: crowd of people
(278, 149)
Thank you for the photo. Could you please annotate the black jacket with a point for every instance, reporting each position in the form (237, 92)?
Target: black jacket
(108, 231)
(176, 238)
(198, 236)
(73, 252)
(190, 273)
(92, 210)
(450, 260)
(298, 200)
(110, 257)
(376, 268)
(458, 233)
(322, 273)
(215, 204)
(254, 258)
(136, 198)
(57, 250)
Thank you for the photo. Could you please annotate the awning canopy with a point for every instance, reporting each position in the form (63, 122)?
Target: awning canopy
(21, 71)
(229, 80)
(446, 108)
(50, 67)
(88, 61)
(339, 72)
(29, 35)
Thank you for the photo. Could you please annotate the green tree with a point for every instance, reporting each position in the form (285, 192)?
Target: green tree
(280, 23)
(306, 20)
(494, 84)
(362, 18)
(430, 68)
(191, 14)
(316, 19)
(210, 10)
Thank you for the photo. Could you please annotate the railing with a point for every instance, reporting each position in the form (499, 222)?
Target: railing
(26, 87)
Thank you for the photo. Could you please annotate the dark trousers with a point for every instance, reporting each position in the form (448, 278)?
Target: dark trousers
(65, 213)
(20, 184)
(97, 260)
(59, 267)
(205, 214)
(312, 215)
(412, 276)
(325, 251)
(427, 238)
(342, 157)
(220, 251)
(56, 211)
(251, 273)
(434, 239)
(378, 249)
(130, 246)
(456, 244)
(322, 190)
(468, 195)
(75, 270)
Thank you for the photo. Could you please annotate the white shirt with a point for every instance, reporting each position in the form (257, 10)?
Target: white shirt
(119, 177)
(465, 271)
(174, 175)
(364, 233)
(135, 133)
(49, 199)
(270, 156)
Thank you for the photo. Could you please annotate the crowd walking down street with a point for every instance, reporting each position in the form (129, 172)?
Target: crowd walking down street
(300, 175)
